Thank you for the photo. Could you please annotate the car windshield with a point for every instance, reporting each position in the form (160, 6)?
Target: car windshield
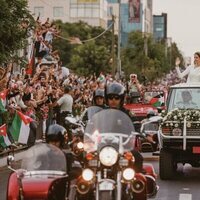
(184, 98)
(44, 157)
(108, 126)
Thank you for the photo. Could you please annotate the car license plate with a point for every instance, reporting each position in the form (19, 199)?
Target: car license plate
(105, 185)
(196, 150)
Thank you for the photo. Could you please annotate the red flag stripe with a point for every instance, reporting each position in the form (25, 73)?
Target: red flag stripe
(3, 94)
(26, 119)
(3, 130)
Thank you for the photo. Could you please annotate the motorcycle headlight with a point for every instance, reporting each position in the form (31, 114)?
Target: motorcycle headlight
(128, 174)
(176, 132)
(87, 174)
(108, 156)
(80, 145)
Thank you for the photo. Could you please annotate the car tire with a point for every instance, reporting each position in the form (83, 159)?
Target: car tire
(166, 165)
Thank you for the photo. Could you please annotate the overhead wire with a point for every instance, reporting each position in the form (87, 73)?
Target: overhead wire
(94, 38)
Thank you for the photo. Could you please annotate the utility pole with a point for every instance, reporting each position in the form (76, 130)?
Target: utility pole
(119, 43)
(113, 45)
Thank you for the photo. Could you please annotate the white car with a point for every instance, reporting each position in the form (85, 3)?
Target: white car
(179, 133)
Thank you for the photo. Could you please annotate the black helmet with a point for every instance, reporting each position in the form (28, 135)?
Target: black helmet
(115, 89)
(55, 133)
(98, 93)
(151, 113)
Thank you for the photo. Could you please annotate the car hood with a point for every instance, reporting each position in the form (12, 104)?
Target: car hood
(140, 109)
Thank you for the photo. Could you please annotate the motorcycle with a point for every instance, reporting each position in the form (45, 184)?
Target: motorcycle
(42, 175)
(108, 170)
(149, 129)
(76, 128)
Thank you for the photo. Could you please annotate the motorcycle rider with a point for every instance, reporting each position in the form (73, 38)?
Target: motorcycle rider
(114, 96)
(57, 135)
(98, 100)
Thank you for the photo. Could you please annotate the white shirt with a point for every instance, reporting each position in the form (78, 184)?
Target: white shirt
(192, 72)
(65, 103)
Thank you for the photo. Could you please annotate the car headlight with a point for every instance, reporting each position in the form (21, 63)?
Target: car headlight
(176, 132)
(87, 174)
(108, 156)
(128, 174)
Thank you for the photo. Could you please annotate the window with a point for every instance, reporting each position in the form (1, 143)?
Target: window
(58, 12)
(39, 11)
(73, 12)
(110, 11)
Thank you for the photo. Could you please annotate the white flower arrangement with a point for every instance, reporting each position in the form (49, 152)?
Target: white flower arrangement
(176, 117)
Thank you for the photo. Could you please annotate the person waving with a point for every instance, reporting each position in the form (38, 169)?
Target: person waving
(192, 71)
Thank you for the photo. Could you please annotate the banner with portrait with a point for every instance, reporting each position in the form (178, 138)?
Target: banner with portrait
(134, 11)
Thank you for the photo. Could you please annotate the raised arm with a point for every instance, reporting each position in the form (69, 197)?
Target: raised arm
(181, 74)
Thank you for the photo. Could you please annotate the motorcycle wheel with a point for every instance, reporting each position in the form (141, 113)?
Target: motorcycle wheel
(105, 195)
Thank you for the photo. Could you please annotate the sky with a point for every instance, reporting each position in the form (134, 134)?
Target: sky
(183, 23)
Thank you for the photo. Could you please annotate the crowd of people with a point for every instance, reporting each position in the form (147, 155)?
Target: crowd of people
(50, 91)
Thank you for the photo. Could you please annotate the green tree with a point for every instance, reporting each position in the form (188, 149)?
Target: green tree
(92, 56)
(155, 62)
(90, 59)
(14, 23)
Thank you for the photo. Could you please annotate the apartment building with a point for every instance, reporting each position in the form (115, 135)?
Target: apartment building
(134, 14)
(94, 12)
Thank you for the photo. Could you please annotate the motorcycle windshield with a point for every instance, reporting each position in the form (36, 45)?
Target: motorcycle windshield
(93, 110)
(109, 127)
(44, 157)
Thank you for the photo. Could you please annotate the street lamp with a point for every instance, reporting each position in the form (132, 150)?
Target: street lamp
(119, 43)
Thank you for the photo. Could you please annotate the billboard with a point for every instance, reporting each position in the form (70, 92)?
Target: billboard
(88, 1)
(134, 11)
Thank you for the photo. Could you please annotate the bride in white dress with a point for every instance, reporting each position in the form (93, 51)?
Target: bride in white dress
(193, 71)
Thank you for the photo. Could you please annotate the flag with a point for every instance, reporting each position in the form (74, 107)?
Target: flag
(31, 59)
(4, 140)
(3, 95)
(157, 101)
(20, 127)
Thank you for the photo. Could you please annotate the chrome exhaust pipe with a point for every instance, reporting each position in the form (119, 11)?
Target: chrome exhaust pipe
(137, 186)
(83, 187)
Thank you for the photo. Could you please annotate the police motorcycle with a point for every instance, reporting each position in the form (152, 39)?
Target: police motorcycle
(76, 128)
(109, 165)
(42, 175)
(149, 130)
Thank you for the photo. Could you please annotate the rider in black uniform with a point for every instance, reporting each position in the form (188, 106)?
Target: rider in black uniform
(114, 95)
(56, 135)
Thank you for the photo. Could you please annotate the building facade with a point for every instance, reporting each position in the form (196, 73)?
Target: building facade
(93, 12)
(134, 14)
(160, 26)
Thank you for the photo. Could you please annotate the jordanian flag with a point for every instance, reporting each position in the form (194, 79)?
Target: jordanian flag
(4, 140)
(20, 127)
(157, 101)
(3, 95)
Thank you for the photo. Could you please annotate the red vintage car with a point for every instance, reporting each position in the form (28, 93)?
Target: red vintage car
(150, 100)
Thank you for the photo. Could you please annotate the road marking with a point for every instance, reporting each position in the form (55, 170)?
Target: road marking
(185, 196)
